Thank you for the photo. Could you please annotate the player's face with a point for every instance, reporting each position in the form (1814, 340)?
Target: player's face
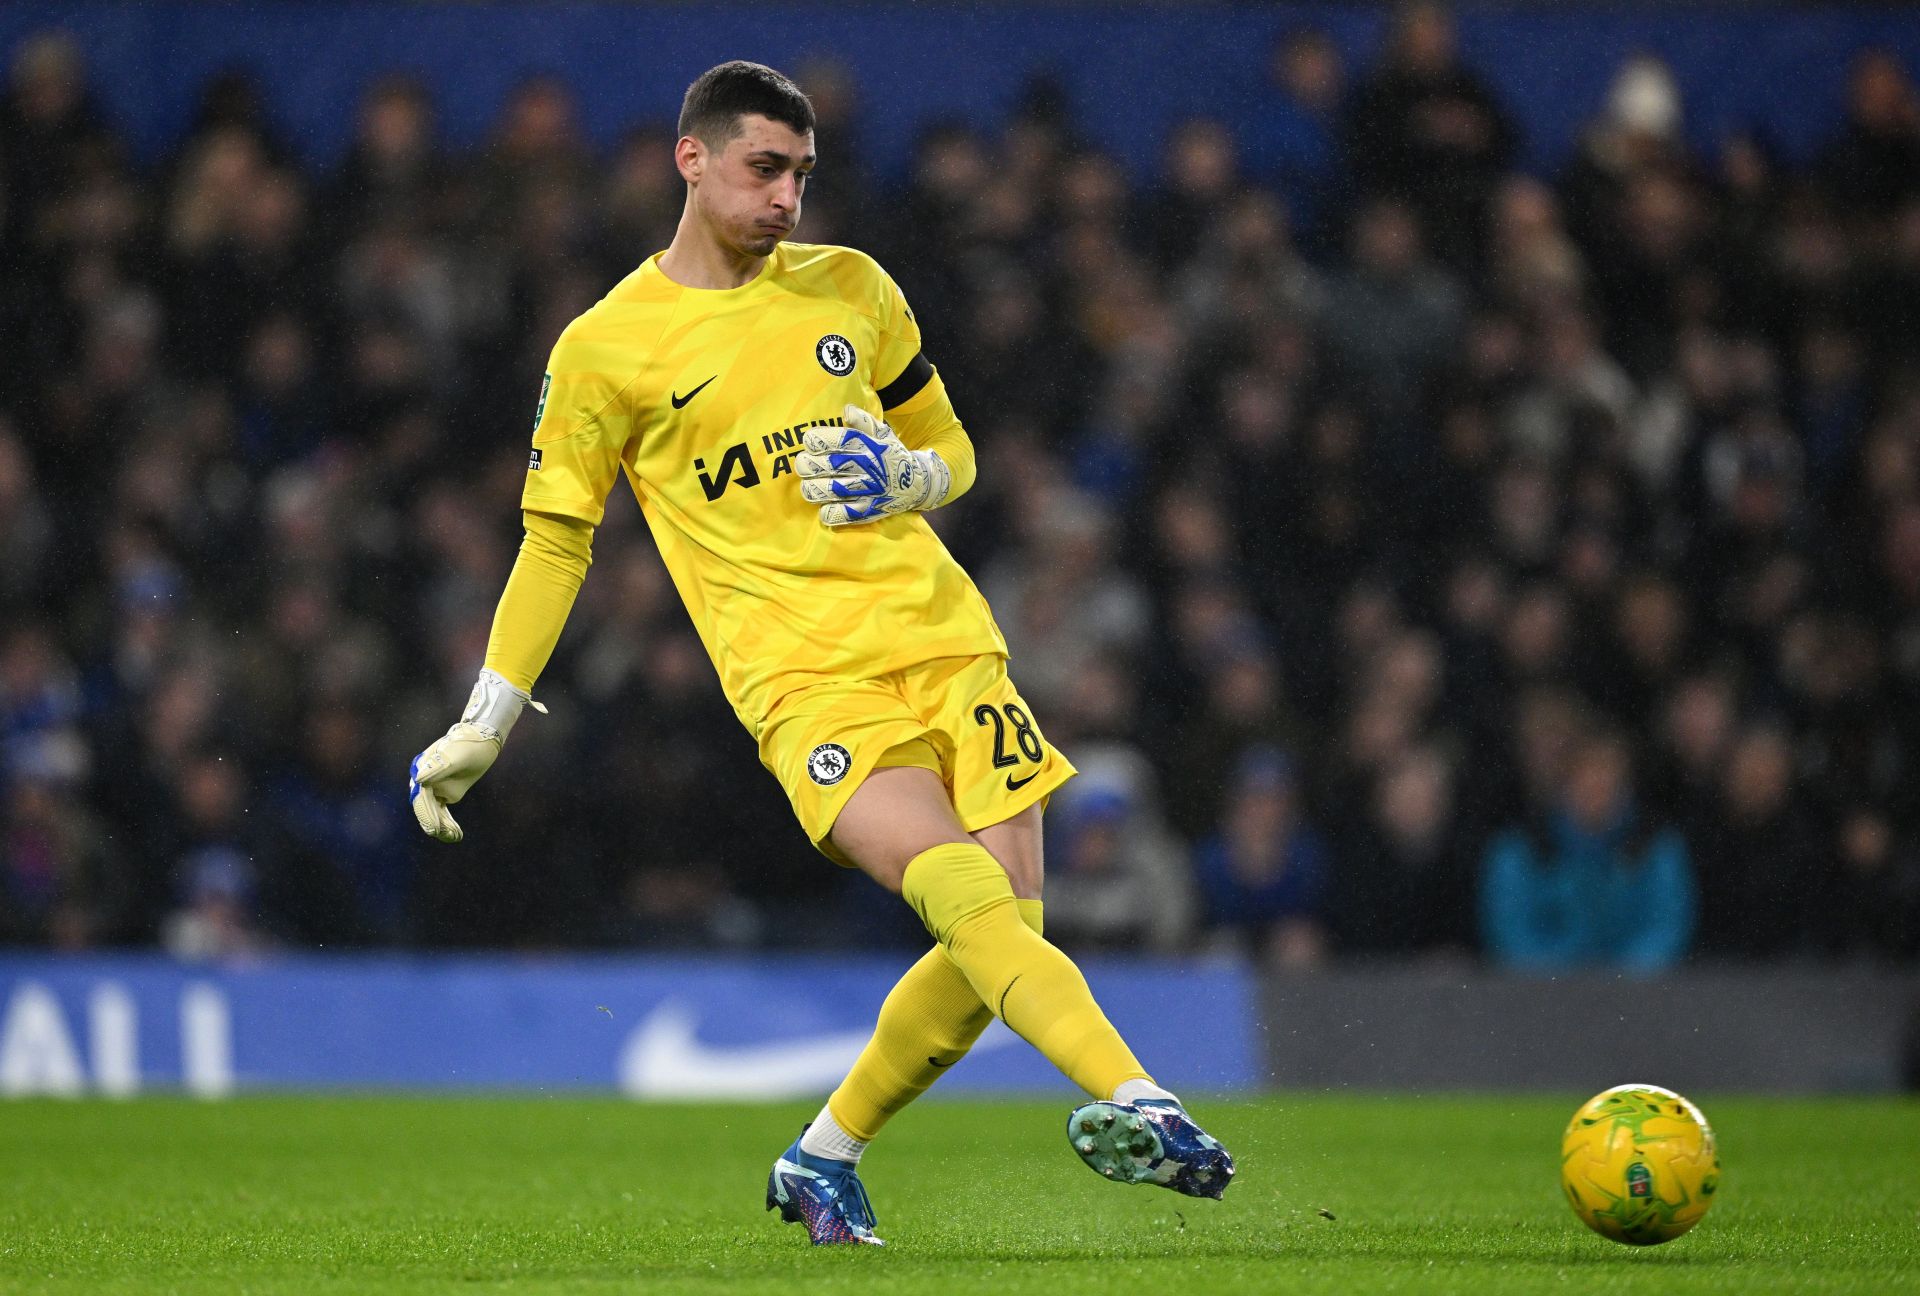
(749, 191)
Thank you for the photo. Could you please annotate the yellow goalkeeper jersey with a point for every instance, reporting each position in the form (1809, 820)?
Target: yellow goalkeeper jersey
(700, 397)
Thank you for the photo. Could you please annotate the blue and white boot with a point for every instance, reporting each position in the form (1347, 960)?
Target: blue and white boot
(1152, 1141)
(825, 1195)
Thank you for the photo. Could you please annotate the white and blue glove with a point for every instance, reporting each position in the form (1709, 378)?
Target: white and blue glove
(862, 471)
(443, 772)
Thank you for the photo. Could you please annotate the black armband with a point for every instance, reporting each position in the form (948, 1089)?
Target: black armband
(912, 379)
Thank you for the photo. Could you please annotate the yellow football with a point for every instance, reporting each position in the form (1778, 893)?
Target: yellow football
(1639, 1165)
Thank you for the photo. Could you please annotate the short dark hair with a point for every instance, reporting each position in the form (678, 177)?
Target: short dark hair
(721, 96)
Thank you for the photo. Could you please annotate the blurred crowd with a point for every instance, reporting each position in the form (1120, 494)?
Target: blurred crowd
(1419, 557)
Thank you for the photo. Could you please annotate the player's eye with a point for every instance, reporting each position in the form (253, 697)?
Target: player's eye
(764, 169)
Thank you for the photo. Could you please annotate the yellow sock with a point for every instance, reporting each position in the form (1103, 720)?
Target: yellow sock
(962, 894)
(929, 1021)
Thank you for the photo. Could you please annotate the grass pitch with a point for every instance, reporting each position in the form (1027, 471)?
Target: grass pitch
(1335, 1194)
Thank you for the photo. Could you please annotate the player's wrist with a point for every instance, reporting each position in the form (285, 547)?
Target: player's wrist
(495, 704)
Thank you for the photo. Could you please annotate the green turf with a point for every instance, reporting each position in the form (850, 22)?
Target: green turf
(1339, 1195)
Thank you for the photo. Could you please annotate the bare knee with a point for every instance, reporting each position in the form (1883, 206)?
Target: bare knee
(901, 812)
(896, 814)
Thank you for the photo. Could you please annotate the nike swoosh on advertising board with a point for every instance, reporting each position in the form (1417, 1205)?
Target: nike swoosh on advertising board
(664, 1058)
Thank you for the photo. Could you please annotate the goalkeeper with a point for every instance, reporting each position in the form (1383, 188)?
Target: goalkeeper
(769, 405)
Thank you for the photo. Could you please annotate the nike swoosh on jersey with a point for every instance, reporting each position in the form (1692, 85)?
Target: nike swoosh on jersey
(934, 1061)
(680, 401)
(1014, 785)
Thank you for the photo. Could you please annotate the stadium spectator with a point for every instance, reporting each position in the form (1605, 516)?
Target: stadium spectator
(1201, 175)
(211, 869)
(1874, 910)
(1404, 882)
(1296, 135)
(1761, 864)
(26, 529)
(1263, 875)
(1240, 706)
(1873, 167)
(1596, 885)
(1116, 877)
(215, 919)
(65, 883)
(394, 169)
(1638, 131)
(51, 131)
(1425, 129)
(345, 863)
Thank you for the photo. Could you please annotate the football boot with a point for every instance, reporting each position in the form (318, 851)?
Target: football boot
(1152, 1141)
(824, 1194)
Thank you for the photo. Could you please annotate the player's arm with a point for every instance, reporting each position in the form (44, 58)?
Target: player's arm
(579, 438)
(554, 556)
(914, 457)
(553, 561)
(927, 421)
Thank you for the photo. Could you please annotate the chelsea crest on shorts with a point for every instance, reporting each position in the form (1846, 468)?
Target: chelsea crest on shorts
(828, 763)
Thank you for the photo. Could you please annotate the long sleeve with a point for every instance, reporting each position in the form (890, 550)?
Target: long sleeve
(928, 422)
(546, 576)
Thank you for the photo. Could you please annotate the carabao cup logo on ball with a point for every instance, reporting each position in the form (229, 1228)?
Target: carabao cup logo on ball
(828, 763)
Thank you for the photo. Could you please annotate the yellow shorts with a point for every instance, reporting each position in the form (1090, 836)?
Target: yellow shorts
(957, 716)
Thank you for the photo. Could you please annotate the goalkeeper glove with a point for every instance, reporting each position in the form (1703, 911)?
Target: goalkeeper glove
(442, 773)
(862, 471)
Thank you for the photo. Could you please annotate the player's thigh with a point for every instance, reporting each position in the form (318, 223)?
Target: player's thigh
(896, 813)
(824, 741)
(1016, 843)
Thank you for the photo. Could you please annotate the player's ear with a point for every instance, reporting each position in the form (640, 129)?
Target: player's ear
(690, 158)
